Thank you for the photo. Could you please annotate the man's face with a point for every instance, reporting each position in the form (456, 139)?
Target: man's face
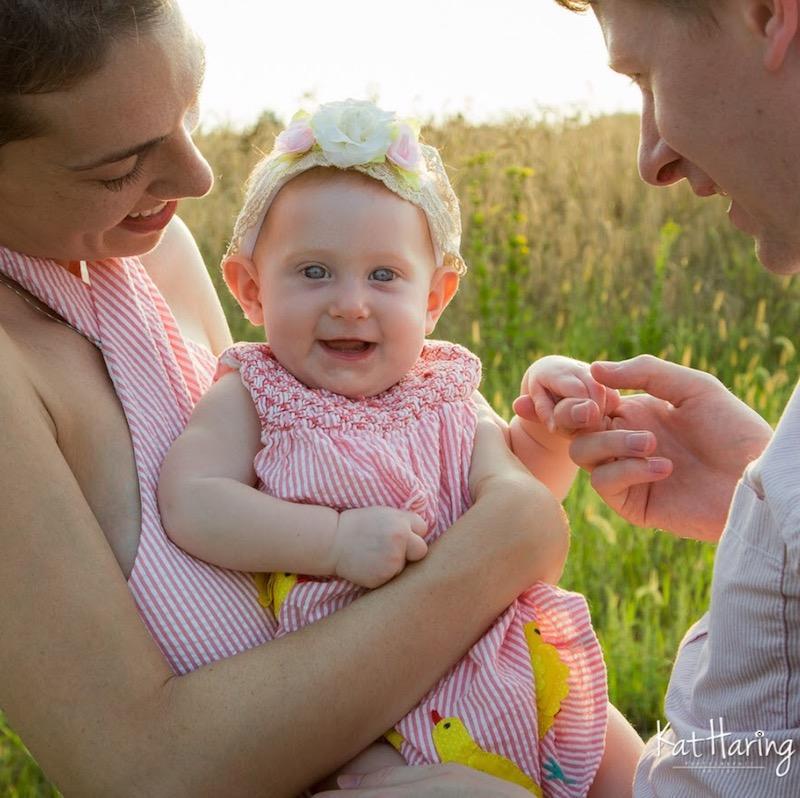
(714, 114)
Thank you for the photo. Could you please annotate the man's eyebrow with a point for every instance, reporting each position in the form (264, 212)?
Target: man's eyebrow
(121, 155)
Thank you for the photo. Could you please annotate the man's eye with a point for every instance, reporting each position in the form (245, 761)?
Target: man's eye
(383, 275)
(315, 272)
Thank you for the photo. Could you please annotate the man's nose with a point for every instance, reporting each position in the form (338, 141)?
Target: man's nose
(659, 164)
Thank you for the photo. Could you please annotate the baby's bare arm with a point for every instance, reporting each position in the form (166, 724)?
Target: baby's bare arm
(210, 507)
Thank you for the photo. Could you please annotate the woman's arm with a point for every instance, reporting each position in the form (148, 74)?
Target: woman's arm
(86, 687)
(211, 509)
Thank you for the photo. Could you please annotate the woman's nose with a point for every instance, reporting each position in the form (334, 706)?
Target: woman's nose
(659, 164)
(184, 170)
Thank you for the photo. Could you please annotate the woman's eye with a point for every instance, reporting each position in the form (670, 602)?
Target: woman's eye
(315, 272)
(118, 183)
(383, 275)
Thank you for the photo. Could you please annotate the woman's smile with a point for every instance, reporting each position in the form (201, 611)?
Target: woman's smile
(152, 220)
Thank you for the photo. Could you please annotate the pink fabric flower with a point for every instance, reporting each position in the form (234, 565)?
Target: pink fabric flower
(296, 139)
(404, 150)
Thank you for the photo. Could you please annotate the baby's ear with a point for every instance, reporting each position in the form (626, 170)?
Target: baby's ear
(241, 277)
(444, 285)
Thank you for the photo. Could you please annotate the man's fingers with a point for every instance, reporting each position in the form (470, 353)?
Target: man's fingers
(418, 525)
(657, 377)
(596, 448)
(613, 479)
(576, 415)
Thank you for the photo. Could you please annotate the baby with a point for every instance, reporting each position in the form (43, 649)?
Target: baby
(333, 455)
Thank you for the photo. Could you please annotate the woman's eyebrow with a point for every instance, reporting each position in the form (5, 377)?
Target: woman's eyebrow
(121, 155)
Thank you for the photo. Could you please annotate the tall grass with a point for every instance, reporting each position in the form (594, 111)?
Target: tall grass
(570, 253)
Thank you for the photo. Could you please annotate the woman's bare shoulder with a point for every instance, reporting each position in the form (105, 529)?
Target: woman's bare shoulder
(178, 269)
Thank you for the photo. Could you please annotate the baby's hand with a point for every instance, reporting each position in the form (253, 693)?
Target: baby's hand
(561, 394)
(373, 544)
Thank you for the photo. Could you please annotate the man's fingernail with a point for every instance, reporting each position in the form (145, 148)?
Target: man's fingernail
(580, 413)
(658, 465)
(637, 441)
(348, 780)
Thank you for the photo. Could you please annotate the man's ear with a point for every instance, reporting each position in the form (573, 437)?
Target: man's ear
(776, 22)
(241, 277)
(444, 285)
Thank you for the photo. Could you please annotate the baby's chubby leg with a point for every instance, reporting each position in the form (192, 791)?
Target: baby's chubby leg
(378, 755)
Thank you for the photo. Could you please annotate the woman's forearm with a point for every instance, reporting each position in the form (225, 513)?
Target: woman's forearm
(85, 685)
(317, 697)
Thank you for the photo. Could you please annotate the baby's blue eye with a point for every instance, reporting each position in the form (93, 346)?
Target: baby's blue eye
(315, 272)
(383, 275)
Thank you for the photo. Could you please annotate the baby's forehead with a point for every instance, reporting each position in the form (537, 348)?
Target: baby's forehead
(346, 179)
(342, 187)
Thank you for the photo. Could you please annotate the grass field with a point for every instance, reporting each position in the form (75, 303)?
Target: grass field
(570, 253)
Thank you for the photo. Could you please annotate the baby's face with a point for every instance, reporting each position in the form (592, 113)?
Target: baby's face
(347, 282)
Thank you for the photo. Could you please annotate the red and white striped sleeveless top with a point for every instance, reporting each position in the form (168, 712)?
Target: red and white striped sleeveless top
(197, 613)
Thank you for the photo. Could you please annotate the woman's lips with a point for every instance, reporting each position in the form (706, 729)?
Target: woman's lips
(152, 222)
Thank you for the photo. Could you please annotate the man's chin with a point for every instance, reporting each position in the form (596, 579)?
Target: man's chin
(778, 256)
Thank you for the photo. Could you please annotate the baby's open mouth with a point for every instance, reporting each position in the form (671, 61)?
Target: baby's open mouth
(348, 345)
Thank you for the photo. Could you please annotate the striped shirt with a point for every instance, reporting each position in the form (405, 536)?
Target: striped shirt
(735, 687)
(410, 448)
(196, 613)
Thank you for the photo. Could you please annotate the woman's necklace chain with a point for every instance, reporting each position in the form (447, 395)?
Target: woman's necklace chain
(6, 281)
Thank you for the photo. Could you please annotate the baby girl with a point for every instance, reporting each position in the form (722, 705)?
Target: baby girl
(336, 453)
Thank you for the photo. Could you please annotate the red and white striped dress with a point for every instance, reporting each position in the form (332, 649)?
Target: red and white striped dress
(196, 613)
(410, 447)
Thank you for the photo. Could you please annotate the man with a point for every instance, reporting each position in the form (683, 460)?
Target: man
(720, 85)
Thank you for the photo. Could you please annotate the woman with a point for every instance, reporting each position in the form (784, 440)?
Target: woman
(96, 107)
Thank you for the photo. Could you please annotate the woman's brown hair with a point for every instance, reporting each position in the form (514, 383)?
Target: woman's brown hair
(50, 45)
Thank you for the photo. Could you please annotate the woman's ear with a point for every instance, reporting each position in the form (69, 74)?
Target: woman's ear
(444, 285)
(241, 277)
(776, 22)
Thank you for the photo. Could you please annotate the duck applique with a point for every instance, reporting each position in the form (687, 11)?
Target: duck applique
(453, 743)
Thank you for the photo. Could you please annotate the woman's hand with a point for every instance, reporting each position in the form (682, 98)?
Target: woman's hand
(674, 453)
(428, 781)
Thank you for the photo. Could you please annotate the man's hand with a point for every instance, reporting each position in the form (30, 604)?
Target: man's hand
(674, 453)
(373, 544)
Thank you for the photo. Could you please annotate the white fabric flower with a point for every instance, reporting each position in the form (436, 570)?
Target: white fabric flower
(352, 132)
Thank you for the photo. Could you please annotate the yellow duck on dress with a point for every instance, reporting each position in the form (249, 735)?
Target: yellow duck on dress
(453, 743)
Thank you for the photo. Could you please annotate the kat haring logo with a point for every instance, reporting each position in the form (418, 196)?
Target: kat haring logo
(724, 750)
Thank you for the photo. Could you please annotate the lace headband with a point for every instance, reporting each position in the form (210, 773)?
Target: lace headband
(360, 136)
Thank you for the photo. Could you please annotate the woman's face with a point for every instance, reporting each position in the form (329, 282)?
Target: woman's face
(117, 154)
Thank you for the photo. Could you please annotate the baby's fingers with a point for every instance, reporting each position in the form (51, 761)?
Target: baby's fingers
(416, 547)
